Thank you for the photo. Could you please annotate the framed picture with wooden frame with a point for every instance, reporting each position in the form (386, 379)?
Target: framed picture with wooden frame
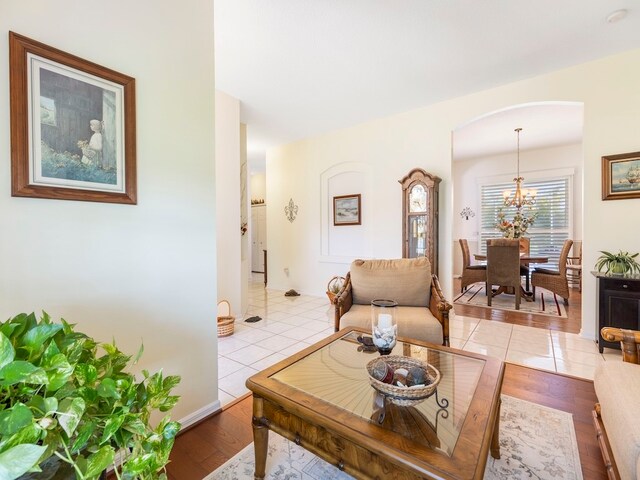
(621, 176)
(73, 126)
(346, 210)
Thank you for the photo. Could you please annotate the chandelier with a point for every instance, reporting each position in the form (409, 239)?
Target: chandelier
(522, 196)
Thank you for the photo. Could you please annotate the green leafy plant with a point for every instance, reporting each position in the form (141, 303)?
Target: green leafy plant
(63, 394)
(621, 262)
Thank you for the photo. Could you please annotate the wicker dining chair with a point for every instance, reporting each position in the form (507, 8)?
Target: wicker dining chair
(554, 280)
(574, 266)
(503, 266)
(470, 273)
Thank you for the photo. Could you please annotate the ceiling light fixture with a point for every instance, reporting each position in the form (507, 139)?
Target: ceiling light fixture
(521, 196)
(616, 16)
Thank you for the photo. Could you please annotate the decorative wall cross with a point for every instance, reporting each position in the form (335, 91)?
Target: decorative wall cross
(291, 210)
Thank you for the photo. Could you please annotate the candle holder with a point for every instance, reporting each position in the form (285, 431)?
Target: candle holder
(384, 327)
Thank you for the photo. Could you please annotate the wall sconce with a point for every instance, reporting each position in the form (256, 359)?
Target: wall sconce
(466, 213)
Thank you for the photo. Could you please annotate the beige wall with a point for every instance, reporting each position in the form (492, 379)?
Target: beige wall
(422, 138)
(129, 273)
(258, 186)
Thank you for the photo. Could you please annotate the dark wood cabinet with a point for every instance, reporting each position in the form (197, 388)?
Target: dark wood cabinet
(618, 304)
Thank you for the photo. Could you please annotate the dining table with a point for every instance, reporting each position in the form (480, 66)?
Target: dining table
(525, 260)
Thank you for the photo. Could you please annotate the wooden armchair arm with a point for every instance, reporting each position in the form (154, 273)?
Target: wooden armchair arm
(439, 308)
(629, 342)
(343, 301)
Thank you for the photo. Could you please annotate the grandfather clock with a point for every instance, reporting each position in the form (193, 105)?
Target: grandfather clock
(420, 216)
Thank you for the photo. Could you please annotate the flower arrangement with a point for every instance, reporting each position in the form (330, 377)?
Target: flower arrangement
(517, 227)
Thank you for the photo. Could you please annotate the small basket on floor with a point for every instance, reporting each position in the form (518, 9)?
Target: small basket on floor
(225, 322)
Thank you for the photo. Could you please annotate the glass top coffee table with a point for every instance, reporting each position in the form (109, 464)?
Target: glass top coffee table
(321, 399)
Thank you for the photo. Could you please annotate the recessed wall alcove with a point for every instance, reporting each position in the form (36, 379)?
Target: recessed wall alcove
(344, 243)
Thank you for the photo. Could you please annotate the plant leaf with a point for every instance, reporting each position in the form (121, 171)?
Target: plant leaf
(58, 372)
(36, 337)
(19, 460)
(83, 435)
(51, 404)
(21, 371)
(99, 460)
(29, 434)
(170, 430)
(69, 414)
(111, 426)
(86, 373)
(139, 354)
(7, 352)
(107, 389)
(170, 382)
(15, 418)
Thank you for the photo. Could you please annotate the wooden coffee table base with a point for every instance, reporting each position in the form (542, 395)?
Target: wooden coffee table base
(307, 405)
(333, 448)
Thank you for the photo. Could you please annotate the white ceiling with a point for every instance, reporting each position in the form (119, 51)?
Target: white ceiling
(543, 125)
(304, 67)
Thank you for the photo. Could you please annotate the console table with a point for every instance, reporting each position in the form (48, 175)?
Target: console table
(618, 304)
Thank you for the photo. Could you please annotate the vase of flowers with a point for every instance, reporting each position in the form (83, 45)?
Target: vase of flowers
(517, 227)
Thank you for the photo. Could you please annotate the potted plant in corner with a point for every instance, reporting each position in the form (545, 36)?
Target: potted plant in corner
(65, 396)
(618, 263)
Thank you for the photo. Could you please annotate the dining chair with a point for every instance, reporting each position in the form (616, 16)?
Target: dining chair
(503, 266)
(574, 266)
(470, 273)
(525, 249)
(554, 280)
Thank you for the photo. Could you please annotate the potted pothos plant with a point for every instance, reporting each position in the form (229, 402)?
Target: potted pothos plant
(65, 396)
(618, 263)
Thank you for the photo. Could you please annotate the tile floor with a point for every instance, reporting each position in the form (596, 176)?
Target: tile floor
(290, 324)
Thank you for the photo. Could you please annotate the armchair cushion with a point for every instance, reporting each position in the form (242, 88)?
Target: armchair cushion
(617, 386)
(417, 322)
(405, 280)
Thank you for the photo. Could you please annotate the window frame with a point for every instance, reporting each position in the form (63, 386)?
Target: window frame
(567, 174)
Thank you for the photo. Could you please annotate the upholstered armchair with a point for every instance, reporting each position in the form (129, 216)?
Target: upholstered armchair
(503, 266)
(470, 273)
(422, 312)
(554, 280)
(615, 416)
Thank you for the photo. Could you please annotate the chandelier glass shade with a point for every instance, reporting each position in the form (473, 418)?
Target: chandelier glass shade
(522, 196)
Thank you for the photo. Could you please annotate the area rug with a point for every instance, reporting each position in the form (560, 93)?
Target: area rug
(544, 304)
(536, 442)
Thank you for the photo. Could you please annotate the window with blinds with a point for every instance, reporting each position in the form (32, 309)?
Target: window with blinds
(552, 225)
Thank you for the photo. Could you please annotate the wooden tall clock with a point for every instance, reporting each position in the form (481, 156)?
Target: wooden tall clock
(420, 216)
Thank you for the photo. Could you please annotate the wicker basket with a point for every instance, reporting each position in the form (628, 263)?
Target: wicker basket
(337, 280)
(225, 322)
(405, 396)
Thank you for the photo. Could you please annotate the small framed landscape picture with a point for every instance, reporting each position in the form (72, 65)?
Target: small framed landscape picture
(346, 210)
(621, 176)
(72, 126)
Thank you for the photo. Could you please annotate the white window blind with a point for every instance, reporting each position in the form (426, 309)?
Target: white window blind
(552, 225)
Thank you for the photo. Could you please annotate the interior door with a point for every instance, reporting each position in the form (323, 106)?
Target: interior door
(258, 237)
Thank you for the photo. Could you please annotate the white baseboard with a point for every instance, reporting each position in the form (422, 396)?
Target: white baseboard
(187, 421)
(204, 412)
(200, 414)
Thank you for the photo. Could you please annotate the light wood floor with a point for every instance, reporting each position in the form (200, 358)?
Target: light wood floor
(571, 324)
(203, 448)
